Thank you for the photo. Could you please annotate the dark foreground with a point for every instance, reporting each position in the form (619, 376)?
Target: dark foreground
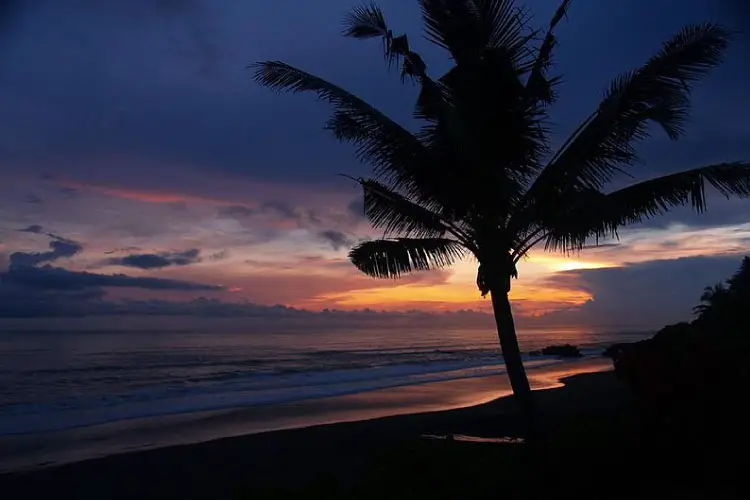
(597, 448)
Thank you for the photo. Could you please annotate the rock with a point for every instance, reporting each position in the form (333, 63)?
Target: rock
(563, 351)
(613, 350)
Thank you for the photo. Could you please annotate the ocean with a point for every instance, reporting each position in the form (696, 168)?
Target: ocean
(64, 380)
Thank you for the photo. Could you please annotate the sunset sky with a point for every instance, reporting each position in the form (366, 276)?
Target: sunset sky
(140, 166)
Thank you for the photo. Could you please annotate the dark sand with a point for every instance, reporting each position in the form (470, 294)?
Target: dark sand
(337, 453)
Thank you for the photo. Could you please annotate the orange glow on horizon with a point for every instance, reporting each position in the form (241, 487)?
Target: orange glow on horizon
(536, 299)
(557, 263)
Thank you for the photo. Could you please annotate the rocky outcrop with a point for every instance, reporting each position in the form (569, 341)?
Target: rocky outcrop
(562, 351)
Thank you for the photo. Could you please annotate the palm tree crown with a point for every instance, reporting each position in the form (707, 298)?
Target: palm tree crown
(712, 298)
(479, 177)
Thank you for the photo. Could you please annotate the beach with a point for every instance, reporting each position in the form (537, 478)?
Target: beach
(340, 452)
(201, 415)
(34, 450)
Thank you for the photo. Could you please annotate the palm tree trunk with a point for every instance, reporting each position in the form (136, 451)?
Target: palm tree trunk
(506, 331)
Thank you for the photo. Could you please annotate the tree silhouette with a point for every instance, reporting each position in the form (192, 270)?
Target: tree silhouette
(712, 298)
(480, 177)
(725, 307)
(739, 283)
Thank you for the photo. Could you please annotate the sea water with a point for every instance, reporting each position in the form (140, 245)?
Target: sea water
(52, 381)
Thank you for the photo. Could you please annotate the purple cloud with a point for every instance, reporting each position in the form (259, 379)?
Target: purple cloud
(157, 260)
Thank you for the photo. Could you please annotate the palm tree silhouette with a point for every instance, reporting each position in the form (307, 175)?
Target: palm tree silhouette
(712, 297)
(480, 177)
(739, 283)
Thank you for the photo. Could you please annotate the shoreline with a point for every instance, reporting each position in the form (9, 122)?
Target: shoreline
(30, 452)
(217, 467)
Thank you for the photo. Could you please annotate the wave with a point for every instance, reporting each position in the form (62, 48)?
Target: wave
(239, 390)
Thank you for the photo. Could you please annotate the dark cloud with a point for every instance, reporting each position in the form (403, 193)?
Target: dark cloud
(281, 208)
(68, 192)
(34, 229)
(601, 245)
(55, 278)
(157, 260)
(125, 249)
(645, 294)
(277, 210)
(32, 199)
(336, 239)
(59, 248)
(90, 304)
(301, 216)
(220, 255)
(24, 302)
(719, 212)
(236, 211)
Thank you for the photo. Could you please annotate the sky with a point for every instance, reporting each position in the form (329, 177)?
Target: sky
(143, 173)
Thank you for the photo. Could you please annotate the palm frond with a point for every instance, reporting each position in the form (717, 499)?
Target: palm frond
(657, 92)
(391, 258)
(397, 215)
(454, 26)
(490, 99)
(433, 103)
(504, 24)
(540, 88)
(394, 152)
(366, 21)
(596, 215)
(468, 28)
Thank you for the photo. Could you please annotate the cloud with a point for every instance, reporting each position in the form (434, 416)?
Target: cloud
(281, 208)
(252, 317)
(601, 245)
(60, 248)
(157, 260)
(34, 229)
(68, 192)
(285, 211)
(124, 249)
(650, 294)
(220, 255)
(236, 211)
(275, 213)
(49, 278)
(337, 239)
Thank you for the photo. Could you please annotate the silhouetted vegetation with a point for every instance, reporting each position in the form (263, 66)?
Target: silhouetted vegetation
(691, 377)
(480, 177)
(563, 351)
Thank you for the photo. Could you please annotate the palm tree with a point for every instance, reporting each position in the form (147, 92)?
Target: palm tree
(739, 283)
(712, 297)
(480, 177)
